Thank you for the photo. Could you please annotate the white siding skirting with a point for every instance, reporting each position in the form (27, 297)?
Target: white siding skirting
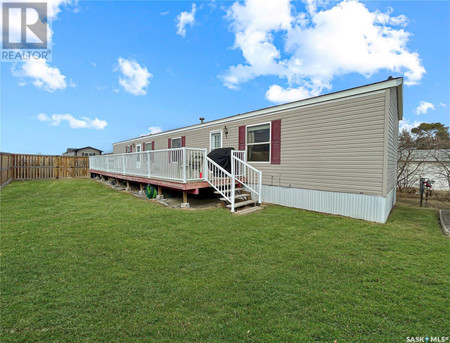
(368, 207)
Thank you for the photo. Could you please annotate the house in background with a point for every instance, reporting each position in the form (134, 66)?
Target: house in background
(335, 153)
(86, 151)
(428, 164)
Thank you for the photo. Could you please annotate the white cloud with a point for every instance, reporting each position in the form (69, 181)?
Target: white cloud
(424, 107)
(278, 94)
(317, 45)
(83, 123)
(253, 24)
(42, 75)
(442, 104)
(152, 130)
(405, 124)
(134, 78)
(164, 13)
(185, 18)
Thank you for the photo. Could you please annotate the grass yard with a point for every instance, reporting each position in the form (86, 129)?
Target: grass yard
(82, 262)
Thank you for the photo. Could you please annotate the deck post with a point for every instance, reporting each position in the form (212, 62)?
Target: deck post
(233, 182)
(128, 186)
(185, 203)
(160, 195)
(184, 166)
(260, 188)
(141, 188)
(123, 164)
(205, 171)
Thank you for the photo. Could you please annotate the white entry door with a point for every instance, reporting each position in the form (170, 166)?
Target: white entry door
(215, 140)
(138, 156)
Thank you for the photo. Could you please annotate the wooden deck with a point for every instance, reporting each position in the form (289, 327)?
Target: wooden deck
(191, 187)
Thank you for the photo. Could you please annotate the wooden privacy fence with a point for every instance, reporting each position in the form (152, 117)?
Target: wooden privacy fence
(29, 167)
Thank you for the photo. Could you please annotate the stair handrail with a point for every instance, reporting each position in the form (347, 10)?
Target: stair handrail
(231, 198)
(243, 180)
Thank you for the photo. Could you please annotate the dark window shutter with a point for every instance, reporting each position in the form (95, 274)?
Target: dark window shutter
(276, 142)
(242, 137)
(169, 145)
(143, 147)
(183, 141)
(131, 147)
(152, 155)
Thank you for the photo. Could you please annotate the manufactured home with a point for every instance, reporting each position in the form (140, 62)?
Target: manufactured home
(335, 153)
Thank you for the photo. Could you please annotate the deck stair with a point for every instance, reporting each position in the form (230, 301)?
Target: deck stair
(235, 187)
(241, 199)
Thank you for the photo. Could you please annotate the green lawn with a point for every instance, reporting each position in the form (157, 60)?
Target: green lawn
(83, 262)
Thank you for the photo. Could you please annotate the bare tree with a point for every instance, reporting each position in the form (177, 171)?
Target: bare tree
(442, 158)
(409, 161)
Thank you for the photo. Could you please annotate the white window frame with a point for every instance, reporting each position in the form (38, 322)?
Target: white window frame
(270, 142)
(173, 153)
(210, 138)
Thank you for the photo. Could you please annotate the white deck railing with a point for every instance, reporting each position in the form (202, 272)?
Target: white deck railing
(181, 164)
(184, 165)
(244, 173)
(221, 180)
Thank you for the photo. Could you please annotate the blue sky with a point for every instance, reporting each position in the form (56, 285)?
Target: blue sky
(122, 67)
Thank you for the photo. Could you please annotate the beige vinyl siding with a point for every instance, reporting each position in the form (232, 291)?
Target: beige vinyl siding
(336, 145)
(392, 142)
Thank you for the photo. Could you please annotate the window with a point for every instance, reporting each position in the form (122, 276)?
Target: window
(215, 140)
(148, 146)
(176, 155)
(176, 143)
(258, 143)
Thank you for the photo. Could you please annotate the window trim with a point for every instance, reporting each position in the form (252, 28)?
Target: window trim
(210, 140)
(270, 142)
